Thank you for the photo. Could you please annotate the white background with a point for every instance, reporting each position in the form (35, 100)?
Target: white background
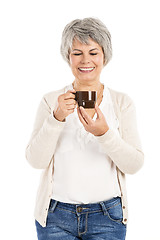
(31, 65)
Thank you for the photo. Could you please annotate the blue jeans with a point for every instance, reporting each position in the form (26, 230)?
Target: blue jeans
(95, 221)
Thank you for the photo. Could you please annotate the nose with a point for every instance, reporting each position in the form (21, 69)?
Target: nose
(85, 59)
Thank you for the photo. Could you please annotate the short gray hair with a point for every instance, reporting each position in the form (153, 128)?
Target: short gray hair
(82, 30)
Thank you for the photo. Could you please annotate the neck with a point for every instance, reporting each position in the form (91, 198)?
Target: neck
(79, 86)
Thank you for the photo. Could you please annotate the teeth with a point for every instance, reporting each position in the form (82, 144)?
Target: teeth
(86, 69)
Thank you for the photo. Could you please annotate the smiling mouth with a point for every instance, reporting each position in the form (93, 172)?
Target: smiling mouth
(86, 69)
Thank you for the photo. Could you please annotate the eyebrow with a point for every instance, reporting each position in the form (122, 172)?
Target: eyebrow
(94, 49)
(76, 50)
(89, 50)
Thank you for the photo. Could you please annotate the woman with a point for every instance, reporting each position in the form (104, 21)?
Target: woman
(85, 153)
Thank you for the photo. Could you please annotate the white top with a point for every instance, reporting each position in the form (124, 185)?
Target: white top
(83, 173)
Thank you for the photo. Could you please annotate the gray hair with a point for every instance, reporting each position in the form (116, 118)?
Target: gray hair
(82, 30)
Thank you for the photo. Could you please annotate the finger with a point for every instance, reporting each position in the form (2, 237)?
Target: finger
(98, 111)
(70, 107)
(80, 117)
(84, 114)
(70, 101)
(69, 94)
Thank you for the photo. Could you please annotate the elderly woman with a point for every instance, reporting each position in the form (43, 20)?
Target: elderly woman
(85, 153)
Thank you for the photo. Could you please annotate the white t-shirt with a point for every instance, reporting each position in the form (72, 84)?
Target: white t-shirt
(83, 173)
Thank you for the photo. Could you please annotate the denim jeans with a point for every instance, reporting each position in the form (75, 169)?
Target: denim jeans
(94, 221)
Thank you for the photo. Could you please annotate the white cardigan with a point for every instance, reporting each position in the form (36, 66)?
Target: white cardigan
(124, 150)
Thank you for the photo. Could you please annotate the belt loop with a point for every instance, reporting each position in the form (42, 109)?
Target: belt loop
(103, 208)
(54, 206)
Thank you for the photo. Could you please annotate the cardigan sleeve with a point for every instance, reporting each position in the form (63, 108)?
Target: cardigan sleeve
(44, 137)
(125, 150)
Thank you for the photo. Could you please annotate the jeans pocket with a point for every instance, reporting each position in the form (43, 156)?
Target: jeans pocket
(115, 212)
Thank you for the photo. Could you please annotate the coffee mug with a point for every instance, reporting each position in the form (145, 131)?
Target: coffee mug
(86, 99)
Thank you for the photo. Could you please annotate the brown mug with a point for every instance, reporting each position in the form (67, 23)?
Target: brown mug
(86, 99)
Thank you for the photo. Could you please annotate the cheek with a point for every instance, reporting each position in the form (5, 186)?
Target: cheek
(73, 62)
(73, 65)
(99, 60)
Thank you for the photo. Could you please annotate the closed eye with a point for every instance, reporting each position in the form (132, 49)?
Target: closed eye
(77, 54)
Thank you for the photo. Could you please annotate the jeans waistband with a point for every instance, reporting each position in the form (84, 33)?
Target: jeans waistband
(84, 208)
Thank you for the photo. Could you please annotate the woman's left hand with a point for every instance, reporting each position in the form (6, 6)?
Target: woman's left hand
(97, 127)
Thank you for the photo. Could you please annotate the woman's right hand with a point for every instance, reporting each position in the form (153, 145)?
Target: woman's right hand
(66, 105)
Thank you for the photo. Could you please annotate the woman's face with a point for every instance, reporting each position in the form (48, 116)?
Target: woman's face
(86, 61)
